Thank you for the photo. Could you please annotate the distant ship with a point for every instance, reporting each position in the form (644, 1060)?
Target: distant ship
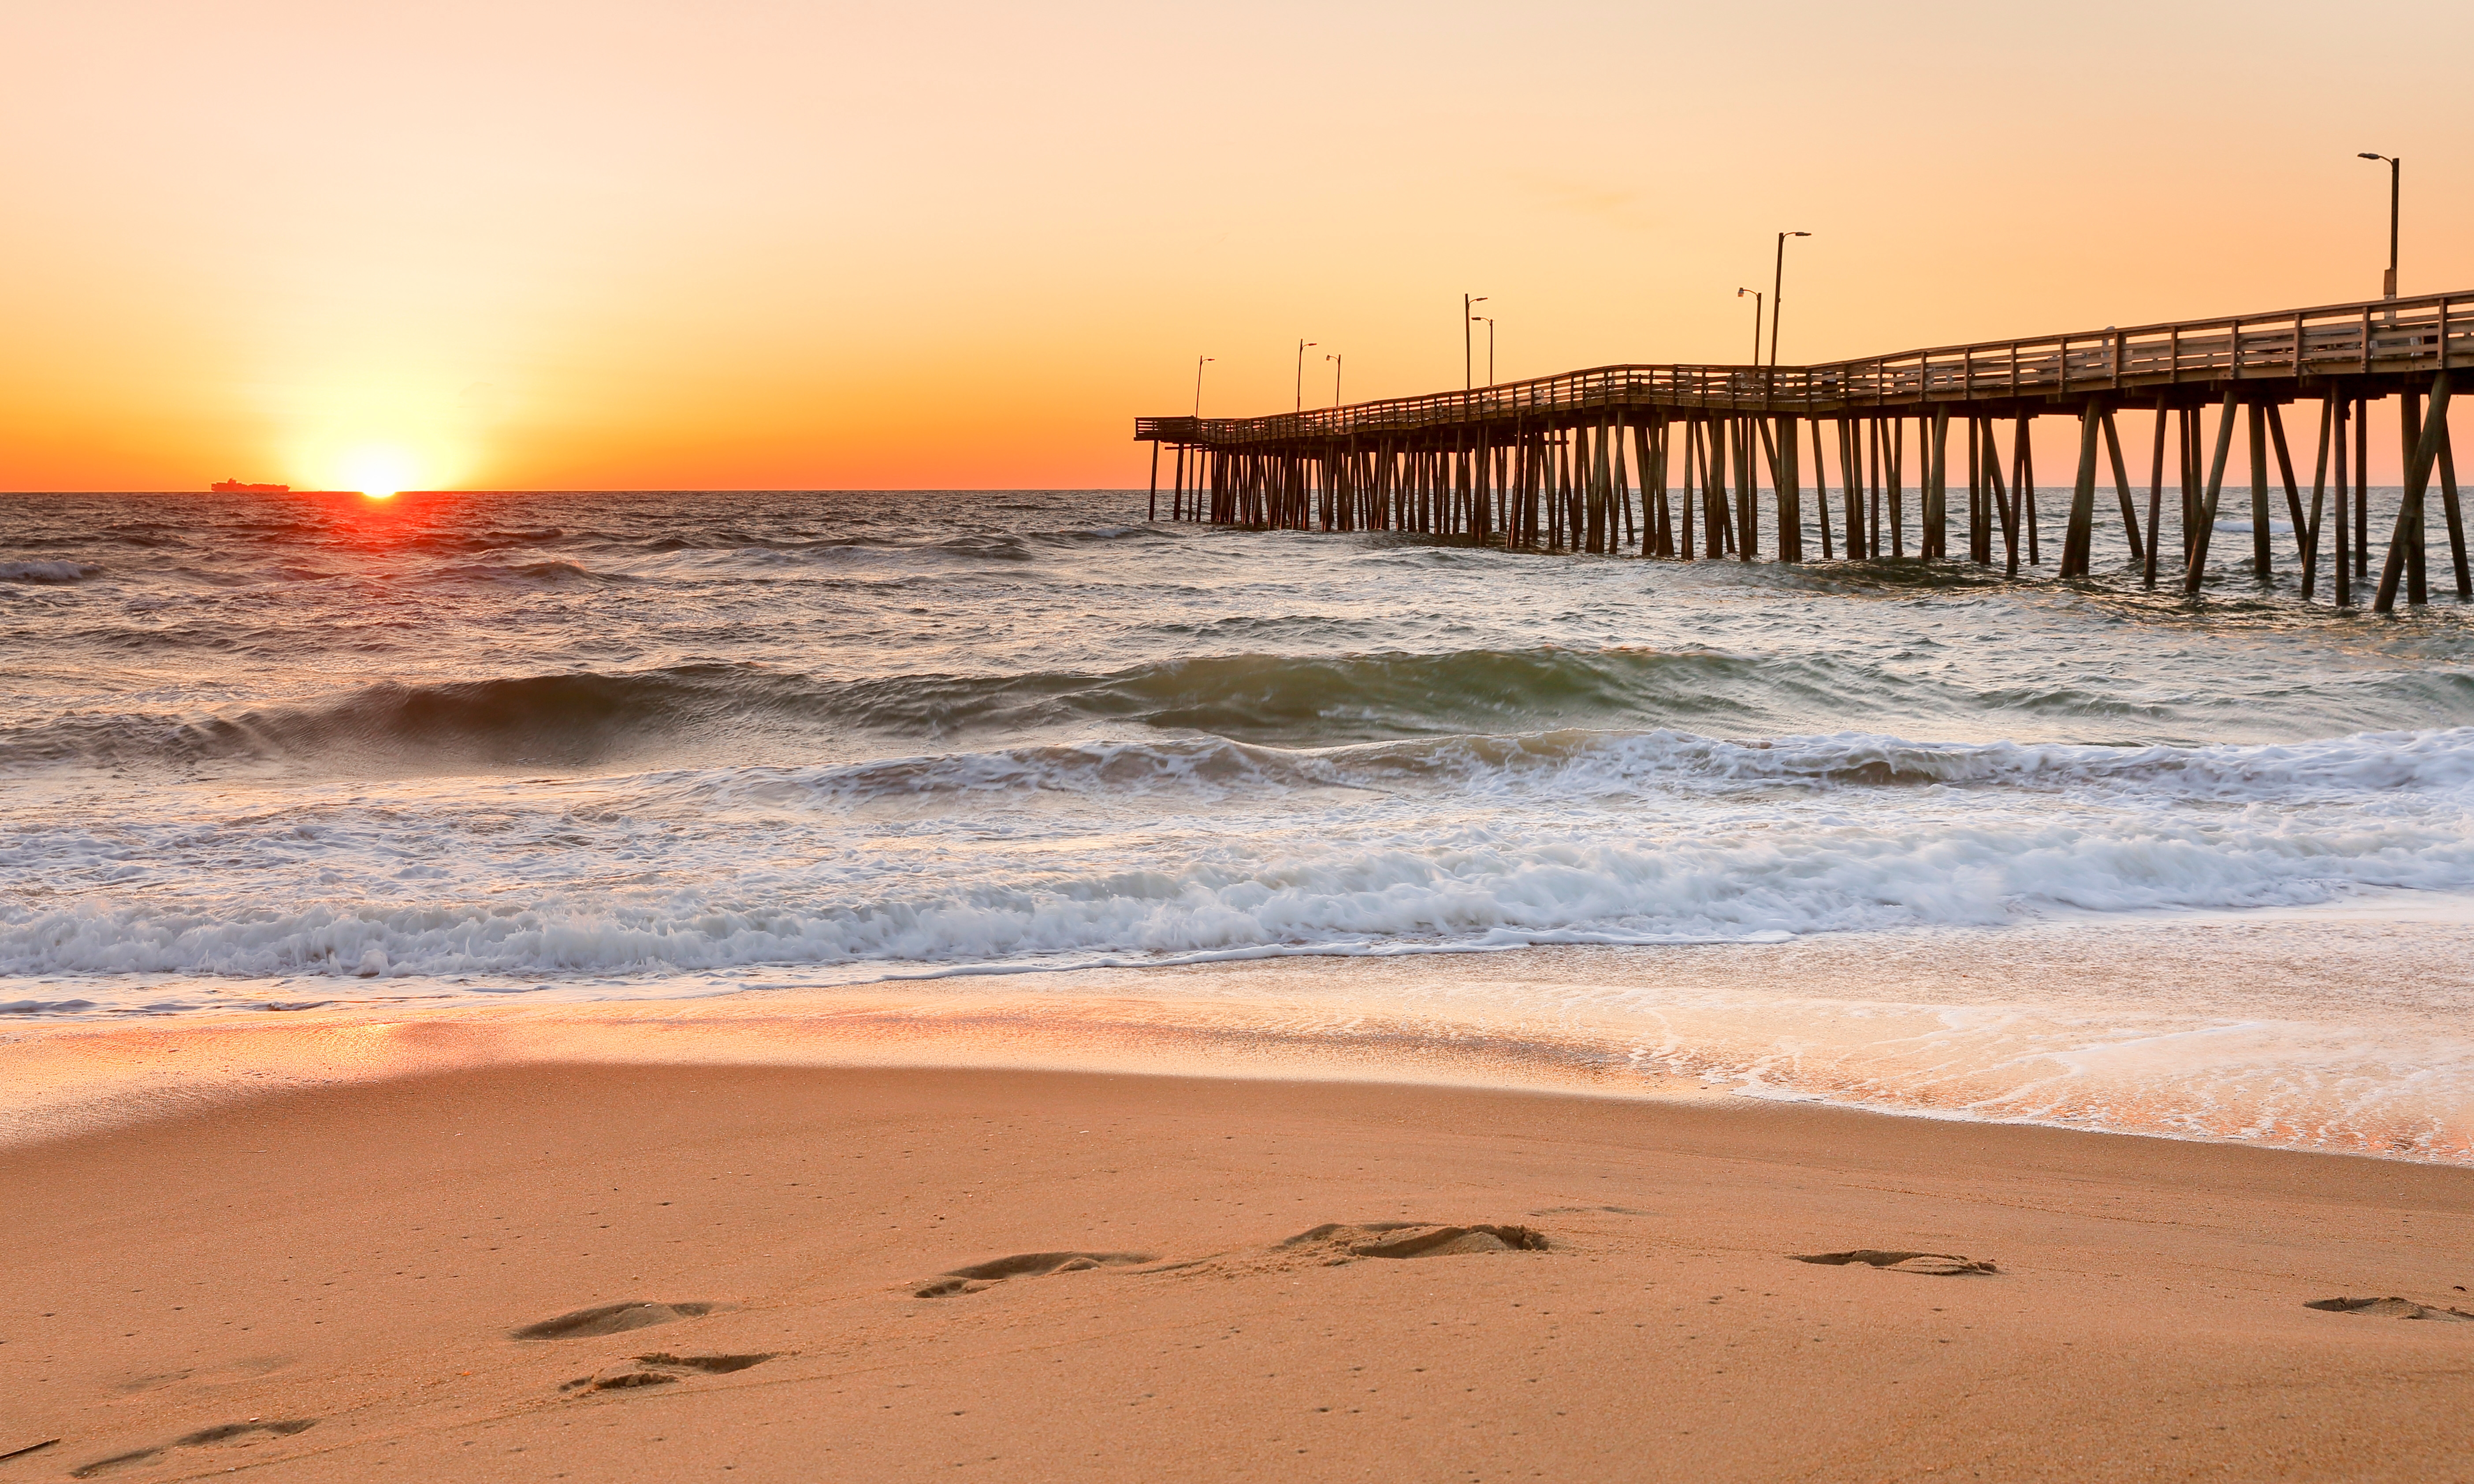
(236, 487)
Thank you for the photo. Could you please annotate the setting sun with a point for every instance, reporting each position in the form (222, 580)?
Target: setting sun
(379, 471)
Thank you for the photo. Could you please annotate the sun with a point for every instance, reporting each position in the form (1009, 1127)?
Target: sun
(379, 471)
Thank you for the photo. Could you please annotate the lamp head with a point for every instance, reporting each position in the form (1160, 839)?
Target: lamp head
(1799, 234)
(2367, 155)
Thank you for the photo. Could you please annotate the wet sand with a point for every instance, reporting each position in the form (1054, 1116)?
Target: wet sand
(327, 1283)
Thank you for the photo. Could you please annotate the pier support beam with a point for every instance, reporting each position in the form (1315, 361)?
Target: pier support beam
(2122, 489)
(2318, 500)
(2405, 547)
(1936, 460)
(2207, 515)
(2079, 535)
(2156, 496)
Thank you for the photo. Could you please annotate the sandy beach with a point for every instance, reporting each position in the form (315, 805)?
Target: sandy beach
(861, 1273)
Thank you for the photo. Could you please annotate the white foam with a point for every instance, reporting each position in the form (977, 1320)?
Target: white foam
(1159, 851)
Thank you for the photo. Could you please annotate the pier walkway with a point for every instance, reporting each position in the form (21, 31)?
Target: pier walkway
(1660, 460)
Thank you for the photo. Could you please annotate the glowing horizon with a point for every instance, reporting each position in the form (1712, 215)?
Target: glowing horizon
(568, 246)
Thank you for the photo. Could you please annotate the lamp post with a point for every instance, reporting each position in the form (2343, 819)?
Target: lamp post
(1301, 372)
(2397, 170)
(1198, 362)
(1468, 374)
(1334, 359)
(1777, 291)
(1757, 320)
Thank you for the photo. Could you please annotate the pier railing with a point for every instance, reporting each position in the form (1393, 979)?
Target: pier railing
(2399, 336)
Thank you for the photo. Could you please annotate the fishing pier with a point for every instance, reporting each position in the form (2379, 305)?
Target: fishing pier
(1671, 461)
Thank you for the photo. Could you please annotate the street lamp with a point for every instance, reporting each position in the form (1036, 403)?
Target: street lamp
(1198, 381)
(1757, 320)
(1468, 377)
(1334, 359)
(2397, 169)
(1778, 295)
(1489, 345)
(1301, 372)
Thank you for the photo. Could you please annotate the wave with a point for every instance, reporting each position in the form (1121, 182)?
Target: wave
(581, 718)
(1667, 701)
(635, 886)
(48, 572)
(1582, 764)
(552, 574)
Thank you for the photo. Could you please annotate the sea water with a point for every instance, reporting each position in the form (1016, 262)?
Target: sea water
(1908, 835)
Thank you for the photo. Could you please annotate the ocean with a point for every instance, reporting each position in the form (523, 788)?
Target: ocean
(1905, 836)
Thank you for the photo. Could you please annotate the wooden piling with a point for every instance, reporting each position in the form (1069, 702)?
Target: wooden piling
(2207, 517)
(2448, 502)
(2122, 489)
(2156, 497)
(2023, 488)
(2285, 471)
(2404, 546)
(1979, 528)
(2002, 500)
(2318, 492)
(2079, 535)
(2341, 552)
(1821, 493)
(2362, 486)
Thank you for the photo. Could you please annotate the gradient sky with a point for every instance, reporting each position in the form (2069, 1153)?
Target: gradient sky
(639, 244)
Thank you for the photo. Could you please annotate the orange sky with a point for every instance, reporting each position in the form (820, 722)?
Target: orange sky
(652, 243)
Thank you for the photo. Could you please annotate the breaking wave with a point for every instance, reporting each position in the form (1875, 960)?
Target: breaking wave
(1161, 850)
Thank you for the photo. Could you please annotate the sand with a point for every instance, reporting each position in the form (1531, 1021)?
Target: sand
(811, 1272)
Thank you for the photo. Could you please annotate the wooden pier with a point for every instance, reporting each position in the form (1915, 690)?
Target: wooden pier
(1669, 460)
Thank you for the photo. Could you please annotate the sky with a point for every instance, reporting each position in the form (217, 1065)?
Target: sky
(632, 244)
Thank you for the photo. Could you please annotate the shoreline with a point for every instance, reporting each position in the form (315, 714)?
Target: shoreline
(356, 1259)
(2050, 1026)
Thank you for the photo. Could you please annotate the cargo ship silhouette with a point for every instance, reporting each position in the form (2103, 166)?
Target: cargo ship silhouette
(236, 487)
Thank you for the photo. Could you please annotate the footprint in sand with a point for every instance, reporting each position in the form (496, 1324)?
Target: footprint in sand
(1328, 1245)
(2391, 1308)
(613, 1319)
(1933, 1264)
(1415, 1239)
(662, 1369)
(1028, 1264)
(205, 1437)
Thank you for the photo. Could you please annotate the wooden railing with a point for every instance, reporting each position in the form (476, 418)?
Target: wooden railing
(2380, 336)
